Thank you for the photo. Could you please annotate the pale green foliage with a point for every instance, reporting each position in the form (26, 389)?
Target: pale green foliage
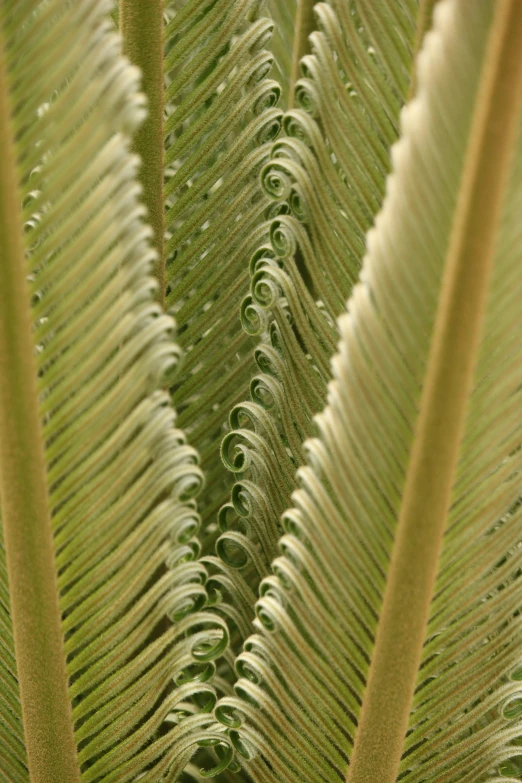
(265, 239)
(303, 674)
(303, 272)
(221, 116)
(119, 473)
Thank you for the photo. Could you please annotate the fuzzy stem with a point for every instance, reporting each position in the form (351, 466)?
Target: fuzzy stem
(141, 23)
(304, 26)
(40, 657)
(422, 521)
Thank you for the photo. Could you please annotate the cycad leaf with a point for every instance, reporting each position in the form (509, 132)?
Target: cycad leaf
(330, 170)
(221, 116)
(304, 674)
(119, 476)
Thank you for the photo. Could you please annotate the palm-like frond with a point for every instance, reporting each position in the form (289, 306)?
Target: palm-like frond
(304, 674)
(119, 475)
(221, 116)
(330, 170)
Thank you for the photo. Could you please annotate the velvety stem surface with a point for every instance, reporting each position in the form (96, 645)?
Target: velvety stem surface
(422, 521)
(141, 23)
(33, 587)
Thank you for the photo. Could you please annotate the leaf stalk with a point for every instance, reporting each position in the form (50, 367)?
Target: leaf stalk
(141, 24)
(448, 382)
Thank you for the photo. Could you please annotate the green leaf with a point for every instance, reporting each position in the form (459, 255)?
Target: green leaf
(330, 170)
(221, 115)
(310, 673)
(119, 551)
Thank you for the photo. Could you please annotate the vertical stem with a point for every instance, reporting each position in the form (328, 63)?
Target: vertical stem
(304, 26)
(409, 591)
(33, 588)
(141, 23)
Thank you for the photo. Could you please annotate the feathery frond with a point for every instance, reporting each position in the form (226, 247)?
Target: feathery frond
(304, 673)
(119, 475)
(329, 170)
(371, 595)
(221, 116)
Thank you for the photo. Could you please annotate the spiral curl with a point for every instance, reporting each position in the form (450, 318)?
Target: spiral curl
(253, 318)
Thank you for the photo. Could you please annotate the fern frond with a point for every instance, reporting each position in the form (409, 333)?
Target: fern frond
(330, 168)
(306, 676)
(118, 476)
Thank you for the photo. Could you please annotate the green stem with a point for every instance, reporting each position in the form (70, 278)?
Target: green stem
(33, 588)
(422, 521)
(141, 23)
(304, 26)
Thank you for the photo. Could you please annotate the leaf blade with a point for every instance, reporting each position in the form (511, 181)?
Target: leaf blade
(303, 673)
(119, 475)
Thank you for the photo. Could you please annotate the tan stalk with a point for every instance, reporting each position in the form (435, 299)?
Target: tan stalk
(141, 24)
(304, 26)
(402, 627)
(40, 656)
